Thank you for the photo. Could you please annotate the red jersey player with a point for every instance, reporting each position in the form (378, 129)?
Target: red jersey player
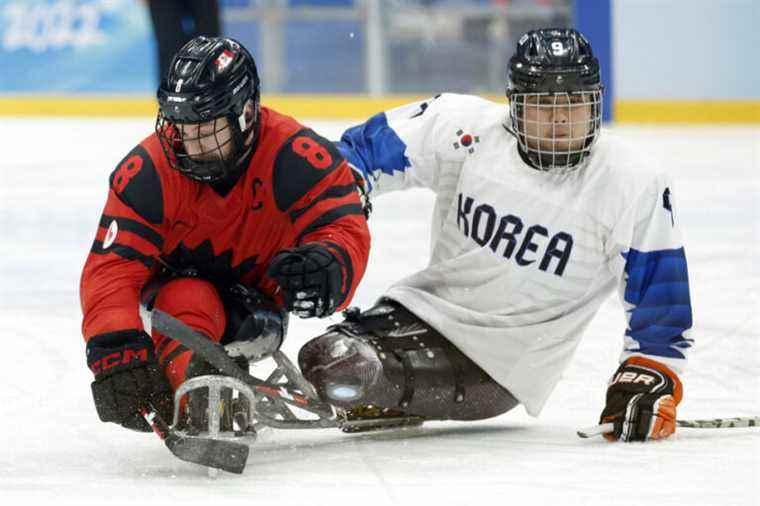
(224, 201)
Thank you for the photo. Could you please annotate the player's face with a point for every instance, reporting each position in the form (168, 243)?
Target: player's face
(207, 142)
(557, 123)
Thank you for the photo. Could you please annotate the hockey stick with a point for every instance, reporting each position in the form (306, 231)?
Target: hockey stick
(215, 355)
(225, 455)
(717, 423)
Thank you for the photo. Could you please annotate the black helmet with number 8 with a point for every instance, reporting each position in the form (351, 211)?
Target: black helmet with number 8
(556, 78)
(209, 109)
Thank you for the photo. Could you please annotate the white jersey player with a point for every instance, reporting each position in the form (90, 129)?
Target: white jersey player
(538, 217)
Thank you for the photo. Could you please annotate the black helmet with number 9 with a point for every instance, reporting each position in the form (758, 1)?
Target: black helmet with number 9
(209, 109)
(555, 93)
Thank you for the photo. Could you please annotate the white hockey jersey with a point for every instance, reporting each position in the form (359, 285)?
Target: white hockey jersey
(521, 260)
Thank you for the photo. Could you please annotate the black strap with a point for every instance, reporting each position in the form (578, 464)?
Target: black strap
(406, 398)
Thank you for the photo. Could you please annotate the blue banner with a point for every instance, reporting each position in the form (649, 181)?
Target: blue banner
(593, 18)
(65, 46)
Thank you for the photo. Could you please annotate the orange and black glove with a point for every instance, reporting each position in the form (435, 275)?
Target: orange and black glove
(641, 401)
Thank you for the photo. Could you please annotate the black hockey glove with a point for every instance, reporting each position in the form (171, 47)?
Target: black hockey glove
(641, 401)
(310, 278)
(127, 379)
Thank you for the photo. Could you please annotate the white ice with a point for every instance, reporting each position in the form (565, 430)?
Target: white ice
(54, 450)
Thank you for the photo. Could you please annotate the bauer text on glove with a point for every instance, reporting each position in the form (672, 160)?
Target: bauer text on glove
(641, 401)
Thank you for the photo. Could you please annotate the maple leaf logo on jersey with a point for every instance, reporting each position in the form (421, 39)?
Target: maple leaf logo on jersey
(466, 141)
(223, 60)
(207, 264)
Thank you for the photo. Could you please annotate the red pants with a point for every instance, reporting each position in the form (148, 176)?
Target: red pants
(196, 303)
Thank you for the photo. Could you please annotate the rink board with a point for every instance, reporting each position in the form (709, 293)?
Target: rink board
(355, 107)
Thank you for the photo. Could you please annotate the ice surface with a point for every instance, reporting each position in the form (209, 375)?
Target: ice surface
(53, 449)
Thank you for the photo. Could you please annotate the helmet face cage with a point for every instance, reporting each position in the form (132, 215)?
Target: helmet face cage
(556, 130)
(204, 151)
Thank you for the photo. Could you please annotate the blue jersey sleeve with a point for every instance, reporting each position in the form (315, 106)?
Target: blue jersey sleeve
(656, 293)
(374, 148)
(404, 147)
(654, 279)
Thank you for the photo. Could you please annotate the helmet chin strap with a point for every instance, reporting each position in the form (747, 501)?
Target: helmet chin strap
(551, 161)
(244, 123)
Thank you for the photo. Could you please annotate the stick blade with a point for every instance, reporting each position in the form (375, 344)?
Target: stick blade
(595, 430)
(225, 455)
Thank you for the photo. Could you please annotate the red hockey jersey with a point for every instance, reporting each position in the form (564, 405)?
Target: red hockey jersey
(297, 189)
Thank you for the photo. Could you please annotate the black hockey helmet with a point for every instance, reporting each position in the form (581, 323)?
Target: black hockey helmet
(554, 68)
(202, 121)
